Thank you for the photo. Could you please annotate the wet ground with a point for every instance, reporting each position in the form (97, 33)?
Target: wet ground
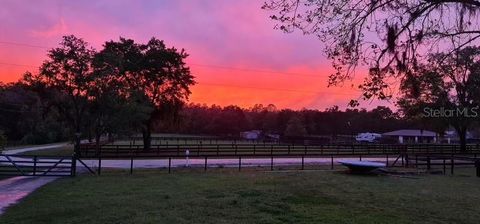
(15, 188)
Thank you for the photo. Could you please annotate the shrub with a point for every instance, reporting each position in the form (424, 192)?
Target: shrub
(3, 141)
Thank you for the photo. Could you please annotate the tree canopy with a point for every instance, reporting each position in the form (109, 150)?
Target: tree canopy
(389, 37)
(447, 82)
(155, 74)
(122, 87)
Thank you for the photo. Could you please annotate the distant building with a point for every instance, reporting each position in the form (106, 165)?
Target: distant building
(368, 137)
(251, 135)
(413, 136)
(451, 136)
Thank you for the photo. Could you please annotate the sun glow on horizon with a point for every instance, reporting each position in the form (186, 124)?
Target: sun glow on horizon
(235, 54)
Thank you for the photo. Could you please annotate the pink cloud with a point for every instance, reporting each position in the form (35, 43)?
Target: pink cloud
(232, 34)
(57, 30)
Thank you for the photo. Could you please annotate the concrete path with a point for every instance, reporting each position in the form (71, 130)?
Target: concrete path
(33, 148)
(163, 163)
(15, 188)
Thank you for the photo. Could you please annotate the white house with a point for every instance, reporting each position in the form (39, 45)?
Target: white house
(251, 135)
(413, 136)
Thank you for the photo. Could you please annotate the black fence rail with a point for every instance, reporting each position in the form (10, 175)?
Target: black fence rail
(443, 162)
(36, 165)
(269, 150)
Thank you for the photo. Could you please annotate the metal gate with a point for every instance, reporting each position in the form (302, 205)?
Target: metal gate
(11, 165)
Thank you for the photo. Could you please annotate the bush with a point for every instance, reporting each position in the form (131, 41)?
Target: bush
(3, 141)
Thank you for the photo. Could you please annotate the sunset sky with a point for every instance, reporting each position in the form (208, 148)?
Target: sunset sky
(235, 54)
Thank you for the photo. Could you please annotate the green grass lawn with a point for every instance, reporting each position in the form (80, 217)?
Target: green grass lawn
(228, 196)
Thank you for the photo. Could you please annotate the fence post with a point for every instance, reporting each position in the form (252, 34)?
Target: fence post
(239, 163)
(99, 165)
(452, 165)
(406, 160)
(303, 163)
(35, 165)
(73, 169)
(131, 164)
(271, 163)
(428, 163)
(205, 169)
(331, 166)
(477, 165)
(444, 167)
(169, 163)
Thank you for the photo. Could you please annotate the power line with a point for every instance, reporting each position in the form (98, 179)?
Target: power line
(235, 86)
(23, 44)
(20, 65)
(277, 89)
(210, 66)
(257, 70)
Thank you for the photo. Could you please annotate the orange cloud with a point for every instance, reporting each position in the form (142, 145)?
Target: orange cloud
(225, 34)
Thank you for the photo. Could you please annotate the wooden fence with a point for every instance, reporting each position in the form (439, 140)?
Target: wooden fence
(273, 150)
(401, 154)
(443, 161)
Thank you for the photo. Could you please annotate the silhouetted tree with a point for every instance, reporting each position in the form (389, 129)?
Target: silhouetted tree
(390, 37)
(25, 116)
(231, 120)
(67, 72)
(3, 140)
(295, 127)
(447, 82)
(151, 70)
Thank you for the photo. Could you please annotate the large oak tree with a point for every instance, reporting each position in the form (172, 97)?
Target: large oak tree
(157, 74)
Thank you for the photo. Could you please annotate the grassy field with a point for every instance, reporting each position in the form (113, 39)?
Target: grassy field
(227, 196)
(61, 151)
(187, 142)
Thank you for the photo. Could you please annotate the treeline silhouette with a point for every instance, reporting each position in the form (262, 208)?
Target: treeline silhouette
(231, 120)
(127, 88)
(80, 92)
(26, 117)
